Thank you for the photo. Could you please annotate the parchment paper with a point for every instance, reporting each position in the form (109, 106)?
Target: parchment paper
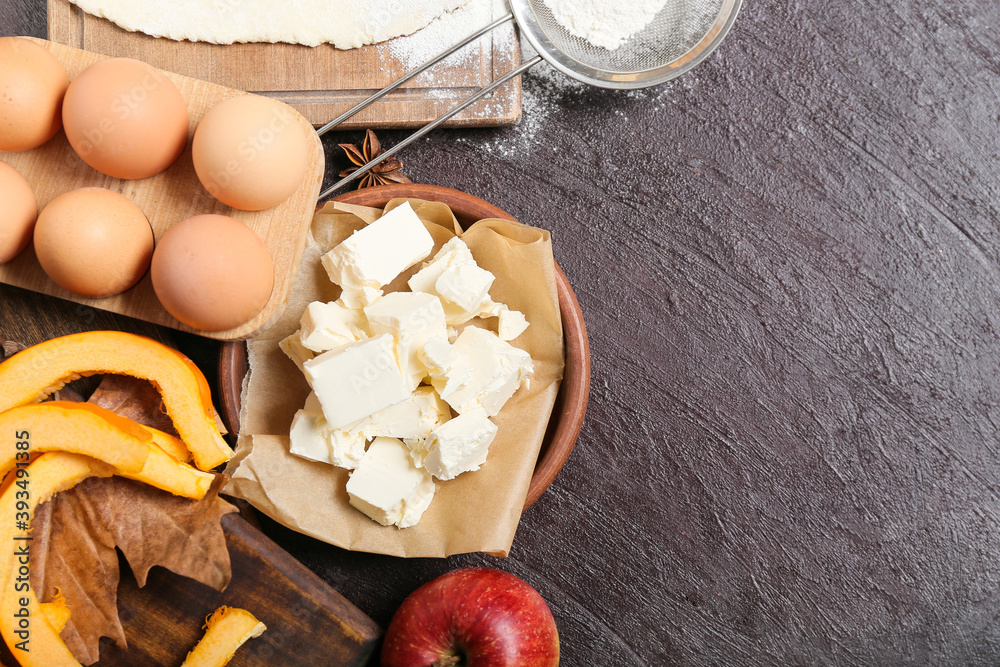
(477, 511)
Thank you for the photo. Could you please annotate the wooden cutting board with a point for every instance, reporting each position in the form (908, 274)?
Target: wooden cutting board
(308, 623)
(320, 82)
(169, 197)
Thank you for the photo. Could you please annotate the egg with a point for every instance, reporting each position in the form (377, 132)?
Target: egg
(250, 152)
(125, 118)
(18, 213)
(93, 242)
(32, 85)
(212, 272)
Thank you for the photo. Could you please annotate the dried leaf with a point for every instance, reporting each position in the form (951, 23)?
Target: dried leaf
(75, 535)
(9, 348)
(67, 393)
(73, 554)
(134, 398)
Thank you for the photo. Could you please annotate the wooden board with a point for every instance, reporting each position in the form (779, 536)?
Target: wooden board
(308, 623)
(320, 82)
(166, 198)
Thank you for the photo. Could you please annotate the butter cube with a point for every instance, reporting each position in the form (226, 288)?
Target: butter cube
(453, 253)
(347, 448)
(457, 446)
(307, 437)
(294, 349)
(465, 287)
(374, 256)
(447, 370)
(387, 487)
(454, 276)
(312, 438)
(494, 367)
(411, 420)
(411, 318)
(359, 297)
(511, 324)
(357, 381)
(328, 326)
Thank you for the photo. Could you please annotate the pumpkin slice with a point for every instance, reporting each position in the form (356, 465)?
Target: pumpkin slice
(34, 373)
(167, 473)
(79, 428)
(169, 444)
(226, 630)
(56, 612)
(38, 644)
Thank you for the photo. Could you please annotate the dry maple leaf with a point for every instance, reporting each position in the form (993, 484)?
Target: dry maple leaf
(9, 348)
(135, 399)
(76, 532)
(75, 535)
(389, 170)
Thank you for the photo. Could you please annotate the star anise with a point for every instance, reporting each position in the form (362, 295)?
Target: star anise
(389, 170)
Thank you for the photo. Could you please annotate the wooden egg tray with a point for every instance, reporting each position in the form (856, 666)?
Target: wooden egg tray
(167, 198)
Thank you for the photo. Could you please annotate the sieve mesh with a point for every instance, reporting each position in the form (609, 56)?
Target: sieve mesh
(681, 34)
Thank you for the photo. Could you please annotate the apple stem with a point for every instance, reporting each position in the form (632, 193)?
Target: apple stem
(448, 661)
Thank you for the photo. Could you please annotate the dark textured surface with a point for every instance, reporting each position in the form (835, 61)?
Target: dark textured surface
(788, 263)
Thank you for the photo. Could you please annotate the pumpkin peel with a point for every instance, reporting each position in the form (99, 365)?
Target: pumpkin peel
(56, 611)
(164, 472)
(34, 373)
(46, 476)
(226, 631)
(171, 445)
(78, 428)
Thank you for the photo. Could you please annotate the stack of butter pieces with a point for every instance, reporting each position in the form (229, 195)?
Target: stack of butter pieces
(399, 395)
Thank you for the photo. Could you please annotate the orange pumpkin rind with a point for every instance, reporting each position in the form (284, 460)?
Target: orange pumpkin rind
(46, 476)
(78, 428)
(34, 373)
(226, 631)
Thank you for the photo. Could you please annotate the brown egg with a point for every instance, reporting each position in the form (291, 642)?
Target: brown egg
(250, 152)
(17, 212)
(93, 242)
(125, 118)
(32, 85)
(212, 272)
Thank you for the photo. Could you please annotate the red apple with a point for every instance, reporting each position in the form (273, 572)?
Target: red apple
(474, 617)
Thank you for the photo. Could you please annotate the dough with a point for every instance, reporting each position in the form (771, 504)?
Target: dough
(346, 24)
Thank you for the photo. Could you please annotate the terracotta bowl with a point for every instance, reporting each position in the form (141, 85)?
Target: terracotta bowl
(571, 402)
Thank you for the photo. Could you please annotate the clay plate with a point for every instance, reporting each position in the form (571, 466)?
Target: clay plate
(571, 403)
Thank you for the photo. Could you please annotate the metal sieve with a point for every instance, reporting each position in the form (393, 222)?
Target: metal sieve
(683, 33)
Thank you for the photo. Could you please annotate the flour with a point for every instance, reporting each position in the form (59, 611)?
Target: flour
(450, 28)
(604, 23)
(439, 82)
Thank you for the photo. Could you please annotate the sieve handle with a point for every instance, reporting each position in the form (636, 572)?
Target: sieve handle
(469, 101)
(396, 84)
